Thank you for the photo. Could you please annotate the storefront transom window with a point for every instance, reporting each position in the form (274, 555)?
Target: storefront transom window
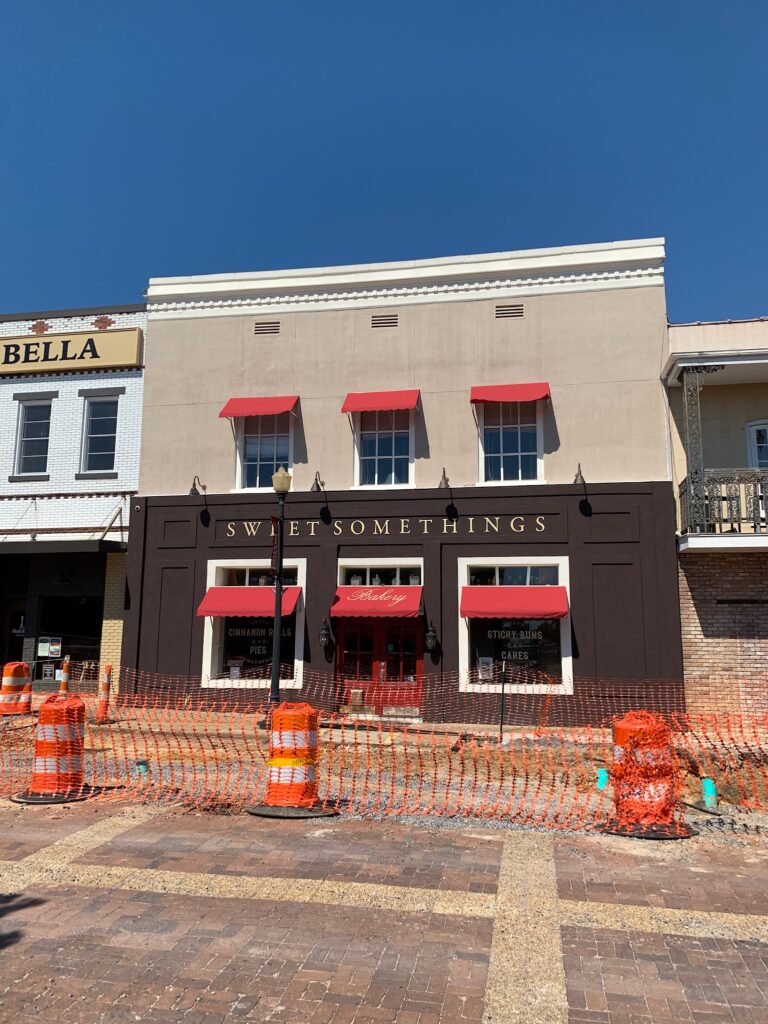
(382, 576)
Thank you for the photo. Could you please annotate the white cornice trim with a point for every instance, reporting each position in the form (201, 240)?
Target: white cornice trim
(460, 278)
(722, 542)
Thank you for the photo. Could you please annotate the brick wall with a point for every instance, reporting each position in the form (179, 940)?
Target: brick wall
(114, 604)
(724, 614)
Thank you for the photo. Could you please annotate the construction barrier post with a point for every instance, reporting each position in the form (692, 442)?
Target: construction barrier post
(646, 780)
(64, 682)
(16, 694)
(57, 773)
(102, 707)
(292, 765)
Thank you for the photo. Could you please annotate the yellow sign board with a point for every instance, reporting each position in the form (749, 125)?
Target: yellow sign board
(59, 353)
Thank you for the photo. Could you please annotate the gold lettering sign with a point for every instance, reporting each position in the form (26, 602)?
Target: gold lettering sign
(389, 595)
(59, 353)
(521, 526)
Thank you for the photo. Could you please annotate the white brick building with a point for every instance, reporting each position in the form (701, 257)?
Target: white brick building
(71, 388)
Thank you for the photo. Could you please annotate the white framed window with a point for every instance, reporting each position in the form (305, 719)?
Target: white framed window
(380, 572)
(33, 437)
(486, 644)
(384, 448)
(264, 443)
(99, 435)
(234, 649)
(757, 437)
(511, 442)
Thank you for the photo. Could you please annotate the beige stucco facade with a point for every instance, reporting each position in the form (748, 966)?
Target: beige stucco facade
(593, 326)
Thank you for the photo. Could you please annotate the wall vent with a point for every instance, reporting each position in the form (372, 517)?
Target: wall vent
(510, 312)
(384, 320)
(266, 327)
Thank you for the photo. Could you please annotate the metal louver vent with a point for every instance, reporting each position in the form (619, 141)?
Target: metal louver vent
(384, 320)
(510, 312)
(266, 327)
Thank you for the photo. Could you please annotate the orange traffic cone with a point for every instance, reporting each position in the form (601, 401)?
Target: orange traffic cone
(64, 681)
(102, 708)
(16, 694)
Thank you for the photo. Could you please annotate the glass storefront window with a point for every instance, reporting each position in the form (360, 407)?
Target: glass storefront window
(514, 647)
(246, 647)
(382, 576)
(513, 576)
(261, 577)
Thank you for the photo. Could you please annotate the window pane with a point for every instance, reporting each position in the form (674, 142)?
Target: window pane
(385, 445)
(528, 467)
(509, 413)
(401, 471)
(511, 467)
(247, 646)
(492, 442)
(36, 428)
(35, 413)
(36, 447)
(101, 409)
(385, 421)
(527, 412)
(368, 446)
(402, 419)
(266, 449)
(402, 444)
(282, 423)
(101, 444)
(251, 425)
(528, 439)
(367, 472)
(281, 450)
(384, 471)
(234, 578)
(514, 648)
(100, 463)
(33, 464)
(251, 449)
(510, 441)
(514, 575)
(368, 421)
(492, 414)
(492, 467)
(544, 575)
(251, 475)
(266, 469)
(482, 577)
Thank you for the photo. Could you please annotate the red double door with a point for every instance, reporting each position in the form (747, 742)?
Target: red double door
(384, 658)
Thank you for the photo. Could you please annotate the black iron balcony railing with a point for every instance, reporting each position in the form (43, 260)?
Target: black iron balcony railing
(729, 501)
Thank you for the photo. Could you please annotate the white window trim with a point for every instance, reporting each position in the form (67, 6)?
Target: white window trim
(211, 628)
(240, 452)
(84, 440)
(355, 419)
(566, 655)
(480, 407)
(19, 425)
(752, 428)
(385, 563)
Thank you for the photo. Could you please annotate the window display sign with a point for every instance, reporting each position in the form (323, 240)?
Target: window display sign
(54, 648)
(247, 646)
(514, 646)
(43, 646)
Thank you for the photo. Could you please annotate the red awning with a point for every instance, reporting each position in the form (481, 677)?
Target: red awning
(257, 602)
(379, 602)
(514, 602)
(509, 393)
(270, 406)
(380, 401)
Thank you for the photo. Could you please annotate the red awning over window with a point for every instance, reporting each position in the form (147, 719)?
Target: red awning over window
(380, 401)
(270, 406)
(378, 602)
(509, 393)
(514, 602)
(258, 602)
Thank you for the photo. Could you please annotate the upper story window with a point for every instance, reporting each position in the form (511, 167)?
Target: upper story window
(758, 445)
(509, 432)
(263, 427)
(381, 575)
(514, 575)
(34, 434)
(384, 443)
(266, 445)
(100, 435)
(509, 421)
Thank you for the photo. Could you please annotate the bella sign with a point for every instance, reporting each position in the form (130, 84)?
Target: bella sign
(61, 352)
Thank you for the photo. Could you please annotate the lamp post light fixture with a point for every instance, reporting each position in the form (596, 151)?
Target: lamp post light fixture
(194, 488)
(281, 482)
(430, 637)
(579, 478)
(444, 482)
(325, 636)
(317, 484)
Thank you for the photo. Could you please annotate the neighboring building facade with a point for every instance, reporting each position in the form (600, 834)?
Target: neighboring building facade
(70, 414)
(717, 375)
(434, 415)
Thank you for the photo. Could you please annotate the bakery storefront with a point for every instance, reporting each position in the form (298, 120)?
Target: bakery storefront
(410, 604)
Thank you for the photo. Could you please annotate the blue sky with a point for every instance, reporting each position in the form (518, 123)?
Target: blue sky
(159, 138)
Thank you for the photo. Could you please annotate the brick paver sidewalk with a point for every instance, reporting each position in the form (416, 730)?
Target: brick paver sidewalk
(132, 914)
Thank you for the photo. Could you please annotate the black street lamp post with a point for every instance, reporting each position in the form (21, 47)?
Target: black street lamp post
(281, 481)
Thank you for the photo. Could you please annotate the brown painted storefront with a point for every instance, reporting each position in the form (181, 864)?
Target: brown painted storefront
(618, 539)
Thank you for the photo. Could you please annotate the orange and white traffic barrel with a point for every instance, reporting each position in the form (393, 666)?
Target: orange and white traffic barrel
(57, 771)
(16, 693)
(646, 779)
(102, 707)
(64, 681)
(292, 765)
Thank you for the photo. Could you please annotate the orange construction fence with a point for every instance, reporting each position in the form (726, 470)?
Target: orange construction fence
(441, 748)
